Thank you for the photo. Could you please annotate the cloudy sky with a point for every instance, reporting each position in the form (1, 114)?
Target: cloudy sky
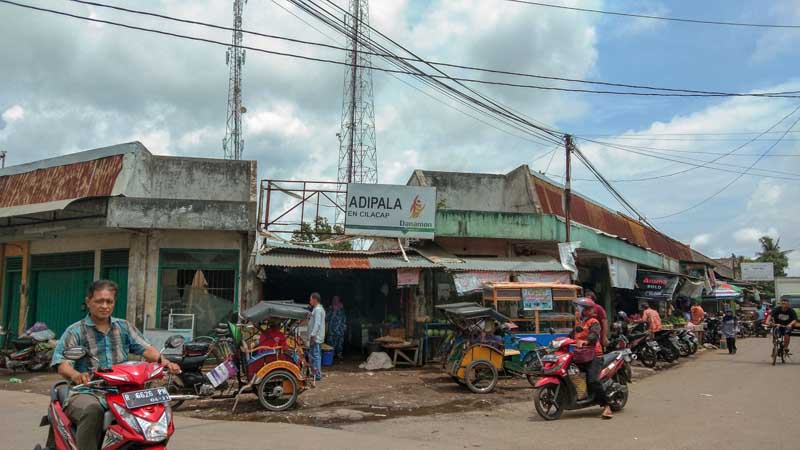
(69, 85)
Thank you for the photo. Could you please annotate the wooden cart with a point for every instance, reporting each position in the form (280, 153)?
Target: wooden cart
(545, 305)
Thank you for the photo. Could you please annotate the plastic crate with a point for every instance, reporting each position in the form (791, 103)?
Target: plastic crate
(327, 358)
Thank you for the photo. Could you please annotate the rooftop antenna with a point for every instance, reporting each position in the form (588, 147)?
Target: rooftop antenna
(358, 159)
(233, 142)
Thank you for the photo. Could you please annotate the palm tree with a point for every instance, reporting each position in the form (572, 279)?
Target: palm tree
(771, 252)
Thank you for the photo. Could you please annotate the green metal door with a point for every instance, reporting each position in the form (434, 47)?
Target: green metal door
(11, 294)
(115, 268)
(58, 288)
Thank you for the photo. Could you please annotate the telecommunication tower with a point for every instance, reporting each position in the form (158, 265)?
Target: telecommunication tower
(358, 159)
(233, 142)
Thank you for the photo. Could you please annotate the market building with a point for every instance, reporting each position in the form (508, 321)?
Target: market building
(175, 233)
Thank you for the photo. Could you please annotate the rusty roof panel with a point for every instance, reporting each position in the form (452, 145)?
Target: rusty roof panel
(595, 216)
(349, 263)
(94, 178)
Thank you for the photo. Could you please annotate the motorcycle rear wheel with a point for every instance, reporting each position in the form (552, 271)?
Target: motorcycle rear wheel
(546, 403)
(685, 350)
(648, 358)
(619, 402)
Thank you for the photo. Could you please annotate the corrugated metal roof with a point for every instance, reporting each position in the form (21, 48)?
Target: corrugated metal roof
(270, 245)
(595, 216)
(520, 264)
(80, 180)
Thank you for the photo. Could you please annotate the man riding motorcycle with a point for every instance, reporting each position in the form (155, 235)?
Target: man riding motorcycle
(588, 335)
(108, 341)
(786, 316)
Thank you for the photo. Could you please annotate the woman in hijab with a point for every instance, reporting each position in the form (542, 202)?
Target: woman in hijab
(337, 326)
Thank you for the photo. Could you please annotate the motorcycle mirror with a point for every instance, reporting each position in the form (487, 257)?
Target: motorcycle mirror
(174, 341)
(74, 353)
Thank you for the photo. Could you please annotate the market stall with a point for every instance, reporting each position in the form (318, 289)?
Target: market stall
(534, 306)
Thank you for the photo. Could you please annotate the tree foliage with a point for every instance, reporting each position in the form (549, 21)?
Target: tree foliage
(321, 231)
(771, 252)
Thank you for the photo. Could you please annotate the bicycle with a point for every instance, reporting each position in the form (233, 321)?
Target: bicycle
(778, 349)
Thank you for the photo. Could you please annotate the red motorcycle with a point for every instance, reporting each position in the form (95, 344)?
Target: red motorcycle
(563, 385)
(137, 417)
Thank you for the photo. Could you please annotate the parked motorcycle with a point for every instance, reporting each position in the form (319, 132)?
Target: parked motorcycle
(563, 385)
(670, 346)
(760, 328)
(712, 332)
(31, 351)
(137, 417)
(745, 329)
(641, 344)
(689, 342)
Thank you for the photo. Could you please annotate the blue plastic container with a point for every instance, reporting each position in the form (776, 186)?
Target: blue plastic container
(327, 358)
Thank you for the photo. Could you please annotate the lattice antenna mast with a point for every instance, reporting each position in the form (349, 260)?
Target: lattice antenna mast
(358, 159)
(233, 142)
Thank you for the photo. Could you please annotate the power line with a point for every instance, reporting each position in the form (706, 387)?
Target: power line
(685, 92)
(645, 16)
(730, 183)
(713, 160)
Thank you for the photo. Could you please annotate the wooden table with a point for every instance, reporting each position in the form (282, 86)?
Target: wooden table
(408, 354)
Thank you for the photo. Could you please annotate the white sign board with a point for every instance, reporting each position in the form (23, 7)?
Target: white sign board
(390, 211)
(757, 272)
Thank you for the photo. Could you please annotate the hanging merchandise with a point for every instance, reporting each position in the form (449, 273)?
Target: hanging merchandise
(622, 273)
(566, 250)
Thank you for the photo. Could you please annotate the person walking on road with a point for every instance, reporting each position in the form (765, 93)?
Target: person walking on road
(729, 325)
(337, 326)
(316, 334)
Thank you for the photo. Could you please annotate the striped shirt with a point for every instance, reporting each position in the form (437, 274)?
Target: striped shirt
(109, 348)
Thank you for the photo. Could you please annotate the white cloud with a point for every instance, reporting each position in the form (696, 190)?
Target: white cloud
(701, 240)
(775, 43)
(628, 28)
(752, 235)
(13, 114)
(767, 195)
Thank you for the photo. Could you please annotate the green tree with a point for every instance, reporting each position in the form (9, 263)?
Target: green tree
(321, 231)
(771, 252)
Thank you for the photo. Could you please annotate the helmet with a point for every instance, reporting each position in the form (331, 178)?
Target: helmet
(583, 302)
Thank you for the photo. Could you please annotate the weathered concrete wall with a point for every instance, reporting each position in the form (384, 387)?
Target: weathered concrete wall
(479, 191)
(107, 240)
(474, 247)
(170, 177)
(124, 212)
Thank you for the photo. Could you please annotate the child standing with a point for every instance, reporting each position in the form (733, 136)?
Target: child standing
(729, 331)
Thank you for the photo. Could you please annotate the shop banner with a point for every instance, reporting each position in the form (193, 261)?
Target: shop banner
(656, 286)
(692, 289)
(390, 211)
(537, 299)
(407, 277)
(544, 277)
(566, 250)
(473, 281)
(622, 273)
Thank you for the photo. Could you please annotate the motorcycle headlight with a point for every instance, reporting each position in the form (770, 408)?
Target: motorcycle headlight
(152, 431)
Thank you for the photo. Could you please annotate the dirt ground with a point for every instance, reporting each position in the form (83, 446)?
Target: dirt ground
(346, 395)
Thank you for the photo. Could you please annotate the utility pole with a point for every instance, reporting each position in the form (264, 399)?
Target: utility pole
(567, 190)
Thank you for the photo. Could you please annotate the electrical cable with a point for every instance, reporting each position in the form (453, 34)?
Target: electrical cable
(645, 16)
(729, 184)
(444, 64)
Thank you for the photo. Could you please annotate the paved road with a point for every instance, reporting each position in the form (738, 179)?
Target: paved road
(717, 401)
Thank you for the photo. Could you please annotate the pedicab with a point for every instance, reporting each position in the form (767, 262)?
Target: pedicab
(476, 355)
(277, 375)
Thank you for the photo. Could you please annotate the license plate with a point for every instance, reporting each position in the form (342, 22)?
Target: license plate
(146, 397)
(549, 358)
